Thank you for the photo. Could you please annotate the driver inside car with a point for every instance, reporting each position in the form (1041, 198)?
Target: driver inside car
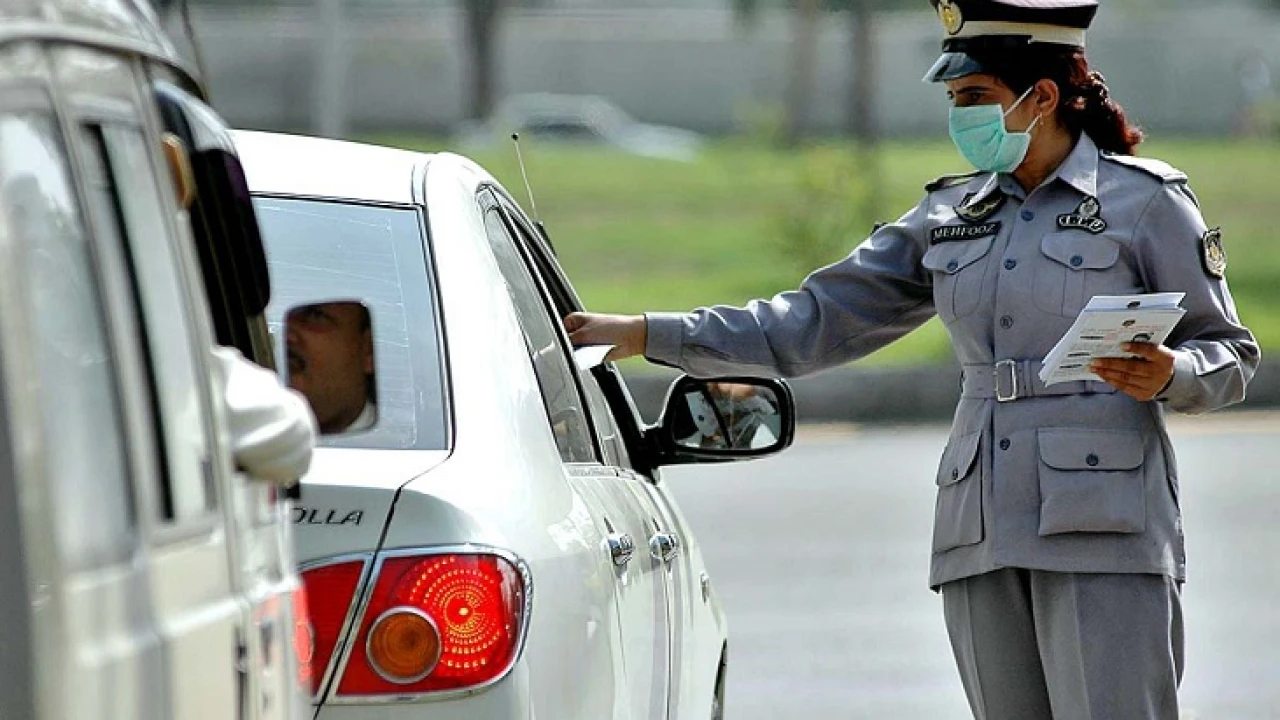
(330, 358)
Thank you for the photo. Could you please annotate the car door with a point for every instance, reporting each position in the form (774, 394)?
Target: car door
(617, 424)
(197, 611)
(640, 578)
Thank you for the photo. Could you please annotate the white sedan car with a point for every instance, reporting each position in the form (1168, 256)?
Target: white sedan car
(499, 542)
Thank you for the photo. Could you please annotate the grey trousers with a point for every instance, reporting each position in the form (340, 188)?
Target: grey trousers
(1037, 645)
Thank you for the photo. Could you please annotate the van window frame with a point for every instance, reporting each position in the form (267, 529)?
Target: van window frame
(77, 113)
(30, 99)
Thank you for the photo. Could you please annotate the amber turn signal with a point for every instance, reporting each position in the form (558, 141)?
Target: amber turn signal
(404, 645)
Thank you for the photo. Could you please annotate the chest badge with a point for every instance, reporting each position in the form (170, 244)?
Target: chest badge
(1213, 254)
(1084, 218)
(976, 211)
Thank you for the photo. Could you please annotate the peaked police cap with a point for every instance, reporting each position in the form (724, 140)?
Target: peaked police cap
(995, 25)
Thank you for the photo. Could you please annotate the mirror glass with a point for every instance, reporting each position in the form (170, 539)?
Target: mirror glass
(329, 359)
(725, 416)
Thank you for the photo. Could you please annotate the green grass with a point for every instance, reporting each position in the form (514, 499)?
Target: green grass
(637, 234)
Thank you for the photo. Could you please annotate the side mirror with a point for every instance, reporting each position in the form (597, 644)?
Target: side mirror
(725, 419)
(328, 357)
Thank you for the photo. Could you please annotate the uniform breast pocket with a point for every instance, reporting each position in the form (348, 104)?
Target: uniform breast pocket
(1076, 266)
(1091, 481)
(958, 275)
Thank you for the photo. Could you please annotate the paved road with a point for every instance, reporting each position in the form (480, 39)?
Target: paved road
(821, 556)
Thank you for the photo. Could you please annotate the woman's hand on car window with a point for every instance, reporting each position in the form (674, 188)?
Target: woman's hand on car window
(626, 333)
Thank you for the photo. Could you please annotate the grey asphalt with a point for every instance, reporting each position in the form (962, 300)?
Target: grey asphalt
(820, 557)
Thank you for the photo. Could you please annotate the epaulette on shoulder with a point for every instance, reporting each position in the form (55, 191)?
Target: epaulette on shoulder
(947, 181)
(1158, 169)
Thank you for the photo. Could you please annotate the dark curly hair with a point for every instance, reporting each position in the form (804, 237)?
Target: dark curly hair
(1085, 104)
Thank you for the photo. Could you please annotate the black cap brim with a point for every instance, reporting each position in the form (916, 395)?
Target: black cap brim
(952, 65)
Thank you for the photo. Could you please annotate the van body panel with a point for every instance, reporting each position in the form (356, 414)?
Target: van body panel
(151, 580)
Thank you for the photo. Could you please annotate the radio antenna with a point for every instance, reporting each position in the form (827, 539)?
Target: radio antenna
(533, 205)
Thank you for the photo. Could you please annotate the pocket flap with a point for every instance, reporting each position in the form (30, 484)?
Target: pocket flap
(1080, 251)
(1076, 449)
(952, 257)
(958, 458)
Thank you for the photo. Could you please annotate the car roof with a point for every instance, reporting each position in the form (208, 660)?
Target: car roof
(131, 24)
(282, 164)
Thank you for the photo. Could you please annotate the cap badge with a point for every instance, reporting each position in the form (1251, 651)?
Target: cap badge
(1213, 253)
(1084, 218)
(952, 18)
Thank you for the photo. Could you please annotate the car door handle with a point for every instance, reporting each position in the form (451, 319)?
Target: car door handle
(621, 547)
(664, 546)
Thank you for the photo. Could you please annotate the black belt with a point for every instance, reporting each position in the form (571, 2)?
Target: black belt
(1010, 380)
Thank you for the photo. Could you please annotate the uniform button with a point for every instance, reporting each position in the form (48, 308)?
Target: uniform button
(952, 266)
(1092, 460)
(1010, 264)
(1004, 443)
(1028, 215)
(1076, 261)
(1006, 322)
(955, 473)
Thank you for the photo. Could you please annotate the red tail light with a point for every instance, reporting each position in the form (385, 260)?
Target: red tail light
(304, 642)
(436, 623)
(329, 592)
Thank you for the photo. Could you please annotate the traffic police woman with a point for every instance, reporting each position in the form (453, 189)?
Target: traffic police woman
(1057, 541)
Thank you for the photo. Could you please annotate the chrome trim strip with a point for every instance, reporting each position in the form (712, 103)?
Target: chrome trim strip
(339, 648)
(368, 649)
(466, 549)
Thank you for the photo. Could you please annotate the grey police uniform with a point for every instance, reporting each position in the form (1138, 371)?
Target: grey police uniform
(1074, 477)
(1070, 478)
(1057, 541)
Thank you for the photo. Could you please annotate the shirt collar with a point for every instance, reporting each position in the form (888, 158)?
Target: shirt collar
(1080, 169)
(365, 420)
(984, 191)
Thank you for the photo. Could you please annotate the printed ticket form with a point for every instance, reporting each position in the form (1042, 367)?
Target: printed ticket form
(1103, 326)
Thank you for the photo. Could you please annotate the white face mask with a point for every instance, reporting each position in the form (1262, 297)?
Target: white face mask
(980, 135)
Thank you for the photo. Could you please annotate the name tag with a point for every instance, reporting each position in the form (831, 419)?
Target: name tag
(952, 233)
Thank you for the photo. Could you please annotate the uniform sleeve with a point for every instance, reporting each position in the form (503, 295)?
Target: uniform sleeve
(841, 312)
(272, 428)
(1216, 354)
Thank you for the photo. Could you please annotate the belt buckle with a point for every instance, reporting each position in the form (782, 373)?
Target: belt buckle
(1009, 369)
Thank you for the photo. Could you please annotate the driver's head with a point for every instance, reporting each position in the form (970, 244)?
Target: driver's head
(330, 354)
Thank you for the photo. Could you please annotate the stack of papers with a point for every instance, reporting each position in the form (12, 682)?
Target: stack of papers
(1107, 322)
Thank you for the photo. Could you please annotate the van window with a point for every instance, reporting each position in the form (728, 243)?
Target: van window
(80, 404)
(187, 481)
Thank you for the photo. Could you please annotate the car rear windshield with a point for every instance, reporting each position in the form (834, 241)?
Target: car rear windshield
(320, 251)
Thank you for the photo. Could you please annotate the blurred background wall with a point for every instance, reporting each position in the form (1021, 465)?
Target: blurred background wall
(361, 66)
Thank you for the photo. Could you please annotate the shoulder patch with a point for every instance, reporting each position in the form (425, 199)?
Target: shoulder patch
(1158, 169)
(1213, 254)
(947, 181)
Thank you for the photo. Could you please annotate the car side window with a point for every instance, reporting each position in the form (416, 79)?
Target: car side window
(130, 191)
(550, 360)
(80, 400)
(611, 441)
(609, 427)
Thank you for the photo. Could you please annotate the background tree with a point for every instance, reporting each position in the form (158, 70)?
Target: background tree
(481, 20)
(861, 16)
